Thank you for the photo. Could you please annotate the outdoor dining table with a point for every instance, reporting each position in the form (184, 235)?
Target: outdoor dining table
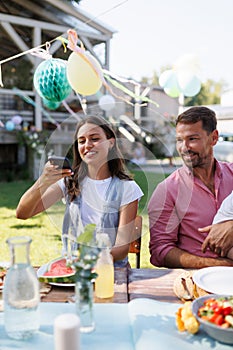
(155, 283)
(141, 315)
(66, 294)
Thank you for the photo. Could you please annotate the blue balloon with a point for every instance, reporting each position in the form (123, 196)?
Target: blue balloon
(193, 87)
(168, 79)
(10, 125)
(189, 83)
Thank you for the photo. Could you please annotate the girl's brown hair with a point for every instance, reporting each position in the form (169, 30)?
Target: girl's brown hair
(116, 162)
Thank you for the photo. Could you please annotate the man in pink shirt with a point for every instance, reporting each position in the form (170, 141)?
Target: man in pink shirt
(190, 197)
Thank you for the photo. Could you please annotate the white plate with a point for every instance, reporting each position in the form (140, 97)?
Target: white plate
(43, 269)
(216, 279)
(62, 284)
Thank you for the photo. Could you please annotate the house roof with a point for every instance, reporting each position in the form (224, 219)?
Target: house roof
(19, 18)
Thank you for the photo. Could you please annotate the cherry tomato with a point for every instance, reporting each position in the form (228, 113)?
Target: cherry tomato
(228, 310)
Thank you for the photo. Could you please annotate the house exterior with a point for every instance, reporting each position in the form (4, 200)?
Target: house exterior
(29, 24)
(26, 24)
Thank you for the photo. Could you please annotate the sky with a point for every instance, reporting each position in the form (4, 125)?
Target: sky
(152, 34)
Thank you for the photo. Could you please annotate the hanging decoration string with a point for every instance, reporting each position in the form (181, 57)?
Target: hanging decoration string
(72, 44)
(71, 111)
(41, 53)
(57, 38)
(31, 51)
(115, 81)
(104, 75)
(109, 10)
(29, 100)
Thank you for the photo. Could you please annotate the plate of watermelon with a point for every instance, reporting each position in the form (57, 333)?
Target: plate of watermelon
(57, 273)
(3, 271)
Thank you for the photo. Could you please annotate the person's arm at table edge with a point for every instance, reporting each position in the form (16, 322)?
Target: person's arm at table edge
(124, 233)
(178, 258)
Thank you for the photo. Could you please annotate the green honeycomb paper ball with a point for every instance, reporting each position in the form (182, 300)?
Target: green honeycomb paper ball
(50, 80)
(51, 104)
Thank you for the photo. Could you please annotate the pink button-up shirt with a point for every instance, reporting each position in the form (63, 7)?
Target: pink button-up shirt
(179, 206)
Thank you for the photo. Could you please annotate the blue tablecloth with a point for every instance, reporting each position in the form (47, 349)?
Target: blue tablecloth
(112, 330)
(142, 324)
(154, 328)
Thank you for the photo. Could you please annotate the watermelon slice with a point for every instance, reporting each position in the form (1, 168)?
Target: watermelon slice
(58, 272)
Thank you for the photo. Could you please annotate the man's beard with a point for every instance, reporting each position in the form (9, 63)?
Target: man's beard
(194, 162)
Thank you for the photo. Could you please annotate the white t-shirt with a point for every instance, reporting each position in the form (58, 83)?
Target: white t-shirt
(93, 194)
(225, 212)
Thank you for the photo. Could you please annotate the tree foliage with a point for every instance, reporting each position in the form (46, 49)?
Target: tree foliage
(209, 94)
(17, 74)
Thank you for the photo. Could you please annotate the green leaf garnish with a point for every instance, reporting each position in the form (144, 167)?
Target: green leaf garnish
(87, 237)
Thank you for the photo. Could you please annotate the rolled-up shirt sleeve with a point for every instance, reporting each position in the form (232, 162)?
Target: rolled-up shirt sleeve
(163, 223)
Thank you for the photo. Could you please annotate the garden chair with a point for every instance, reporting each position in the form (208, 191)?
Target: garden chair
(135, 245)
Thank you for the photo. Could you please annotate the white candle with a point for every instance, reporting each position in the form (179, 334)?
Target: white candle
(67, 332)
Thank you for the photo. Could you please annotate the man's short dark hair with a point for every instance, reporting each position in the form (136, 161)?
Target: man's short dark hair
(199, 113)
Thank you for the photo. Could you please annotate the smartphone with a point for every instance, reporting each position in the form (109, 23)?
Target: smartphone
(62, 162)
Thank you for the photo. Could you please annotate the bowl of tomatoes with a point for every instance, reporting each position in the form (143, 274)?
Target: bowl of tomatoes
(214, 312)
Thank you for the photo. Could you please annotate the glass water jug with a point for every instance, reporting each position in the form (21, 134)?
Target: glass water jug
(21, 295)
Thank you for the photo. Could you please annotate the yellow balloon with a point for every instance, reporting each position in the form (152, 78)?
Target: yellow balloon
(84, 75)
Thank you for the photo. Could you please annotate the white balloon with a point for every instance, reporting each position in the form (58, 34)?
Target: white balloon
(106, 102)
(189, 83)
(167, 78)
(188, 62)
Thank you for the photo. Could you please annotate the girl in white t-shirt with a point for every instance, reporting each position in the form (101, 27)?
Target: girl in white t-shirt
(97, 164)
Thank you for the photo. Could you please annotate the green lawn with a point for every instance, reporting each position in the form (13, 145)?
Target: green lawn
(45, 228)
